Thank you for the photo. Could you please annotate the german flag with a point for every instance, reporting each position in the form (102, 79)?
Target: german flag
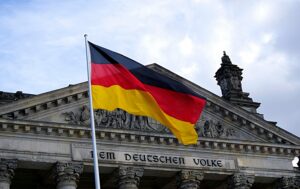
(120, 82)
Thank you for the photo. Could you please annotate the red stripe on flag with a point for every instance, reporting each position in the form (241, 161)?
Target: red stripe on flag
(114, 74)
(179, 105)
(171, 102)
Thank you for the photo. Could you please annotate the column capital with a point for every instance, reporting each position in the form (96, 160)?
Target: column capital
(189, 179)
(7, 167)
(241, 181)
(68, 173)
(129, 177)
(287, 183)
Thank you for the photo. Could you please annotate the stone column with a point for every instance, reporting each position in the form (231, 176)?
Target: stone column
(67, 174)
(240, 181)
(129, 177)
(7, 167)
(187, 179)
(287, 183)
(297, 181)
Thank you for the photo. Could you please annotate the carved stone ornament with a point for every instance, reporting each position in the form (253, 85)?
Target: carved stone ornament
(129, 177)
(288, 183)
(241, 181)
(213, 129)
(80, 117)
(187, 179)
(7, 167)
(118, 119)
(68, 173)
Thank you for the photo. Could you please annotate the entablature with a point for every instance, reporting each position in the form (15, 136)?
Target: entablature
(74, 132)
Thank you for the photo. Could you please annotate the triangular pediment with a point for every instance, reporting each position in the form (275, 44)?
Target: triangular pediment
(219, 120)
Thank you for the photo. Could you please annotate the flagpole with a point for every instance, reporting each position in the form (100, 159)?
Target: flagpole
(95, 154)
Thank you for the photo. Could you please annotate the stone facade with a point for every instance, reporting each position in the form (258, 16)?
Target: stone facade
(45, 142)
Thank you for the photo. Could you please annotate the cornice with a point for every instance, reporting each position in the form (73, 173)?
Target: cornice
(46, 100)
(56, 130)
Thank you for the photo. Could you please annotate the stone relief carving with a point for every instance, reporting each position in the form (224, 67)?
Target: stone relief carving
(114, 119)
(120, 119)
(214, 129)
(81, 117)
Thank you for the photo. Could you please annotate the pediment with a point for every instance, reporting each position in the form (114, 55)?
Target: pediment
(219, 120)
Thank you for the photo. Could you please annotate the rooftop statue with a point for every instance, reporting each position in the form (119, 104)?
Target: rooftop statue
(226, 59)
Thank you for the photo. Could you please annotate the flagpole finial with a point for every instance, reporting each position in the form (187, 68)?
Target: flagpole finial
(85, 35)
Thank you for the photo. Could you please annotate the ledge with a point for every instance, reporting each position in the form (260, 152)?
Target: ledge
(45, 129)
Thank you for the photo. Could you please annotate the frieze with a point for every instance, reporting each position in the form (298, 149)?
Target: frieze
(81, 117)
(84, 153)
(208, 126)
(120, 119)
(214, 129)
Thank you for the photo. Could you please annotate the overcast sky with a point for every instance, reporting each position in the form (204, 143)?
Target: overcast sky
(42, 44)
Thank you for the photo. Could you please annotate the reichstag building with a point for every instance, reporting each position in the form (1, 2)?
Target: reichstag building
(45, 142)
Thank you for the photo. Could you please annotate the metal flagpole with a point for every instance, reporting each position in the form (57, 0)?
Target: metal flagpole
(95, 156)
